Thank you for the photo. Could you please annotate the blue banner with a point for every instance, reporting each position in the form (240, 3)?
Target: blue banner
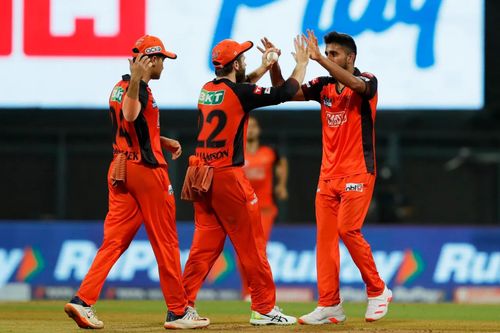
(434, 258)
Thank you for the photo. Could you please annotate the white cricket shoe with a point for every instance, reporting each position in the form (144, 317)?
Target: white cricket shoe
(275, 317)
(378, 306)
(324, 315)
(190, 319)
(195, 314)
(84, 316)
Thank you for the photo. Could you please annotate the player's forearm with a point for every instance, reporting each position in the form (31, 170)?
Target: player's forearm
(131, 105)
(257, 74)
(282, 172)
(342, 75)
(165, 142)
(276, 76)
(299, 72)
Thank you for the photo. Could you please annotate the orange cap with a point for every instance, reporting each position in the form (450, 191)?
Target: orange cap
(228, 50)
(150, 45)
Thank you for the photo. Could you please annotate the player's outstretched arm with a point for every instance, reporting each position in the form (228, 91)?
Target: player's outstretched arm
(301, 56)
(340, 74)
(275, 71)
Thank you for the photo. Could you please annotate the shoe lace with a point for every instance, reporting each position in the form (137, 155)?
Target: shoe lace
(193, 314)
(278, 316)
(91, 312)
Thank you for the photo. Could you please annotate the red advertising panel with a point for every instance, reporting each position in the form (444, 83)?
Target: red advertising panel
(39, 41)
(5, 27)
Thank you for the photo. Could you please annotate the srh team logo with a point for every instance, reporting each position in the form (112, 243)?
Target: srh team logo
(335, 119)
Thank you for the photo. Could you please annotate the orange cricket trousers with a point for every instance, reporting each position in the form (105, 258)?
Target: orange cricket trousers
(267, 216)
(230, 207)
(341, 207)
(147, 196)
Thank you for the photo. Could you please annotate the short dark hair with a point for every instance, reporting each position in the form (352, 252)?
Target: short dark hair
(343, 40)
(227, 69)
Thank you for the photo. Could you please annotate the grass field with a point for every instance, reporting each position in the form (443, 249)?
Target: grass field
(233, 316)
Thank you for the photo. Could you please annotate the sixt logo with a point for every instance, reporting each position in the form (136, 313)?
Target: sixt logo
(27, 262)
(374, 18)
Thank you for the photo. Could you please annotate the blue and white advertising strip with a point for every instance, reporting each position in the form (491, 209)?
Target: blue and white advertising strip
(427, 54)
(410, 259)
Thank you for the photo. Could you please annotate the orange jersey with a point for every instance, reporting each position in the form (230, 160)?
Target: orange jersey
(348, 120)
(259, 169)
(223, 117)
(140, 139)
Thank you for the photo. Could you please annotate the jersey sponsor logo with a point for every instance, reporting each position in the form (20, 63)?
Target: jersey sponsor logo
(335, 119)
(213, 156)
(257, 90)
(153, 49)
(211, 97)
(117, 94)
(354, 187)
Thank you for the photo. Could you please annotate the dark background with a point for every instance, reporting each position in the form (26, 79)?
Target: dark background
(435, 167)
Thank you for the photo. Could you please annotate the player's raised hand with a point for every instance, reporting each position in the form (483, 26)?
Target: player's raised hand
(301, 54)
(140, 66)
(267, 48)
(312, 45)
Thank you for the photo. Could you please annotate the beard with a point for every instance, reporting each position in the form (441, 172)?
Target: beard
(344, 65)
(240, 75)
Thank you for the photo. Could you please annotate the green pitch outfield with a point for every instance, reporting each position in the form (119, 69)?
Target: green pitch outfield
(233, 316)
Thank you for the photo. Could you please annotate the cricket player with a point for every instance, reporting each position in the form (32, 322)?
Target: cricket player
(230, 206)
(348, 100)
(267, 172)
(139, 191)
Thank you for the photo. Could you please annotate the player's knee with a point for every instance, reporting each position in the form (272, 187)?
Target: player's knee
(114, 244)
(348, 232)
